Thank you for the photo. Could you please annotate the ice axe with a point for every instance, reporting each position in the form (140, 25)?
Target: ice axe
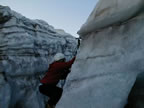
(79, 42)
(62, 82)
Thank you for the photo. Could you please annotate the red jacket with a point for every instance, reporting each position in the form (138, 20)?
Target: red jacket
(55, 72)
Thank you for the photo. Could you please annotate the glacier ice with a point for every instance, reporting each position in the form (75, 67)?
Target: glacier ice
(109, 12)
(110, 56)
(27, 48)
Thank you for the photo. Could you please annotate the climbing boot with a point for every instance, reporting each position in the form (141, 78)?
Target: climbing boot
(50, 106)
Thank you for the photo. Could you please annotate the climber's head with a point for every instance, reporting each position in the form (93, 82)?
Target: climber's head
(59, 57)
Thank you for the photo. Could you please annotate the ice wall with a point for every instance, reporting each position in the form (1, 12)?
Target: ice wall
(109, 12)
(110, 56)
(27, 48)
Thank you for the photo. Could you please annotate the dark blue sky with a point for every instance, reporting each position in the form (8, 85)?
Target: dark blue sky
(62, 14)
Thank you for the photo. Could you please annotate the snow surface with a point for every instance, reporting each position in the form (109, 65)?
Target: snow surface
(109, 12)
(108, 60)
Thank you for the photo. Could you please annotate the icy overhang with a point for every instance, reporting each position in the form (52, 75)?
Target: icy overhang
(109, 12)
(5, 14)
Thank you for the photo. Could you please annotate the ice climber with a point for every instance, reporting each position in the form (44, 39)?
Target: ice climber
(52, 82)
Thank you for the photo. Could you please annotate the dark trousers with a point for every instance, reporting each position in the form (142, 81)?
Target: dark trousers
(53, 92)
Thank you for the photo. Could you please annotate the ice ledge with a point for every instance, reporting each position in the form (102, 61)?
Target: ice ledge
(110, 12)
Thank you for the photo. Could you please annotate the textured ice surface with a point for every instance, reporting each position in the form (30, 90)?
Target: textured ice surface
(110, 56)
(27, 48)
(109, 12)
